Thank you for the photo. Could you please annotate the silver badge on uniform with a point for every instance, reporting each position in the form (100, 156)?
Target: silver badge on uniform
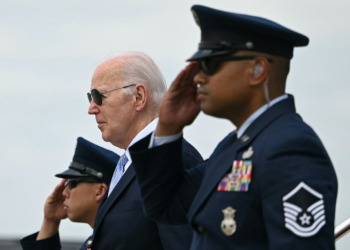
(304, 212)
(228, 224)
(247, 154)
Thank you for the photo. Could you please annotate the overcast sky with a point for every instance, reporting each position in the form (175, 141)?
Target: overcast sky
(49, 50)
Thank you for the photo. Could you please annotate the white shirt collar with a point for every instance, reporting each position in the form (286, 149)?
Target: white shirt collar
(142, 134)
(257, 113)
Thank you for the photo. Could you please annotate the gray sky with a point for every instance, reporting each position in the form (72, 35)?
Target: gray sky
(49, 50)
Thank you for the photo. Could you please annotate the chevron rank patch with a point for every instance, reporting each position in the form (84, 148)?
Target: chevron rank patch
(304, 212)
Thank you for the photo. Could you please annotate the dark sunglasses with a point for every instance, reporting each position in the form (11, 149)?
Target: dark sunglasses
(97, 96)
(210, 65)
(73, 183)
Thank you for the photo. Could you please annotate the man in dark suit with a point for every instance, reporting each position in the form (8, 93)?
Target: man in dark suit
(269, 184)
(77, 196)
(126, 91)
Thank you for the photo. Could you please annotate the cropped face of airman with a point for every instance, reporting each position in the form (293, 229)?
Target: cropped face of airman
(80, 200)
(225, 91)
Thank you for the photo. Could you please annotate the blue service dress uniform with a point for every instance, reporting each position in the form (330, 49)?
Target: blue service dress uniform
(52, 243)
(120, 221)
(273, 188)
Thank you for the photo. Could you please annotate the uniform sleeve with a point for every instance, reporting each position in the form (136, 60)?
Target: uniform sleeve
(167, 188)
(298, 192)
(30, 243)
(175, 237)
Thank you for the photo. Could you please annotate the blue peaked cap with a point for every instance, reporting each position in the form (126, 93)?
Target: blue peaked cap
(224, 32)
(91, 161)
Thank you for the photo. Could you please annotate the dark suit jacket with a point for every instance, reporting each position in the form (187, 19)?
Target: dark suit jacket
(121, 224)
(290, 202)
(52, 243)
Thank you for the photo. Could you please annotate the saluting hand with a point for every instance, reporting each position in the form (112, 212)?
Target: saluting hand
(179, 106)
(54, 212)
(54, 204)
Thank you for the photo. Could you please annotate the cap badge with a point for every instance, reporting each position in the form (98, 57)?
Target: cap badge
(228, 224)
(247, 154)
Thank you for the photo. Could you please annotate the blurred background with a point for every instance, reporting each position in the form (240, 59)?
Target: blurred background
(49, 50)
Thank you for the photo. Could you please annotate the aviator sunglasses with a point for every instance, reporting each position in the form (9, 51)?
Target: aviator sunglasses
(73, 183)
(210, 65)
(97, 96)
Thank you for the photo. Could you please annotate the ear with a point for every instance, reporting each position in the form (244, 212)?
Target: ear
(140, 97)
(259, 71)
(102, 187)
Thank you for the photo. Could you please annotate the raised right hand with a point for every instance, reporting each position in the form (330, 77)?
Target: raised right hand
(53, 209)
(179, 106)
(53, 213)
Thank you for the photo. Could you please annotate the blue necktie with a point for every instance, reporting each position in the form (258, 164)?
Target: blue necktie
(118, 172)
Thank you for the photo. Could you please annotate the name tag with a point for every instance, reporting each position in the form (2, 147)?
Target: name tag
(238, 179)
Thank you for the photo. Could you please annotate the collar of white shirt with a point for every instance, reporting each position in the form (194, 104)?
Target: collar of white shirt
(142, 134)
(258, 113)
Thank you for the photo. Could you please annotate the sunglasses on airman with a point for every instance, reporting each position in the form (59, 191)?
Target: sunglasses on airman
(97, 96)
(73, 183)
(210, 65)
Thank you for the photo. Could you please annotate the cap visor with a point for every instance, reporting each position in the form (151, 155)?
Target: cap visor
(201, 54)
(70, 173)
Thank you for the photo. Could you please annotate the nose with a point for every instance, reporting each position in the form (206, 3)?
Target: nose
(93, 108)
(66, 192)
(200, 77)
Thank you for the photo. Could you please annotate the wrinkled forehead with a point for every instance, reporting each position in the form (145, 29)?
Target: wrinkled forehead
(106, 75)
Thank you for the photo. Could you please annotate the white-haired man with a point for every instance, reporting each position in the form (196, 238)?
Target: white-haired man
(126, 91)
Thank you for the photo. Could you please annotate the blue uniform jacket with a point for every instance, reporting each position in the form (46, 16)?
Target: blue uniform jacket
(120, 222)
(283, 187)
(52, 243)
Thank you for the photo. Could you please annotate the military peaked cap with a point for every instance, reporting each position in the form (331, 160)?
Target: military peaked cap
(91, 161)
(225, 32)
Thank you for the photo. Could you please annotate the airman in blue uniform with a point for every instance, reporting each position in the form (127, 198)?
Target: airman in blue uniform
(270, 183)
(77, 196)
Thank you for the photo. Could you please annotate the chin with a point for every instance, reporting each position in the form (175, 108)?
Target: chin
(206, 110)
(105, 137)
(74, 218)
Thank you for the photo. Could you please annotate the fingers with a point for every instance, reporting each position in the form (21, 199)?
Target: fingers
(190, 71)
(59, 188)
(185, 77)
(176, 83)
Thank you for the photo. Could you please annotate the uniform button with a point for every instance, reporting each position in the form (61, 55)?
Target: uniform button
(200, 229)
(89, 242)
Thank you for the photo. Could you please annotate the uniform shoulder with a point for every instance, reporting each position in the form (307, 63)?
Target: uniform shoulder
(291, 134)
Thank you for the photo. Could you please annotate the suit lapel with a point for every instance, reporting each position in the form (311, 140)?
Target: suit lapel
(221, 162)
(128, 176)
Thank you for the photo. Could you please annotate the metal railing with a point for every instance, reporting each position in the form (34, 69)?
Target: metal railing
(342, 229)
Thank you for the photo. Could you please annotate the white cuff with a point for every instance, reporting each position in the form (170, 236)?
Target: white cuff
(160, 140)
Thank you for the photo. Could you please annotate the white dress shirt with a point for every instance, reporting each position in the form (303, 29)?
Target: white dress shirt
(142, 134)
